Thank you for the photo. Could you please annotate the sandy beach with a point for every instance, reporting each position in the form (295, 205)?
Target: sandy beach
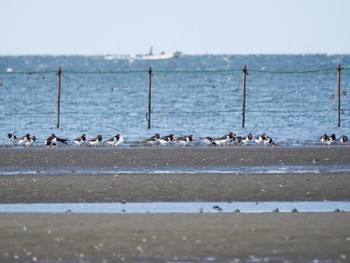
(78, 175)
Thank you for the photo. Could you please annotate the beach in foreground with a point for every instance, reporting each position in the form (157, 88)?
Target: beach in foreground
(79, 175)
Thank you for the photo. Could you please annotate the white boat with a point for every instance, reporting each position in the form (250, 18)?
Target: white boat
(149, 56)
(160, 56)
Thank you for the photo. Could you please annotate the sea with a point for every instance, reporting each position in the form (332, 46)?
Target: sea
(292, 98)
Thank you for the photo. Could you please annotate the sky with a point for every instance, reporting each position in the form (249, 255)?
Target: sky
(194, 27)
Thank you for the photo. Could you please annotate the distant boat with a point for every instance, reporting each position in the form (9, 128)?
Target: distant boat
(149, 56)
(160, 56)
(110, 57)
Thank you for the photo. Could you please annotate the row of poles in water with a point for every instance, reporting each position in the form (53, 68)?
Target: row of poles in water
(244, 87)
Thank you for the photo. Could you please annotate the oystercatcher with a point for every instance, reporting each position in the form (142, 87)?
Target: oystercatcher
(55, 141)
(81, 140)
(324, 138)
(166, 139)
(269, 142)
(183, 141)
(208, 140)
(247, 139)
(31, 140)
(225, 139)
(12, 138)
(260, 139)
(331, 139)
(24, 139)
(96, 141)
(153, 139)
(116, 140)
(344, 139)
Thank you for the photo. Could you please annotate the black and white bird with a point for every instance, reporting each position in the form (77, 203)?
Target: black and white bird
(53, 140)
(59, 141)
(183, 141)
(260, 139)
(265, 140)
(208, 140)
(116, 140)
(225, 139)
(239, 139)
(324, 138)
(153, 140)
(48, 142)
(31, 140)
(331, 139)
(164, 140)
(344, 139)
(96, 141)
(24, 139)
(269, 142)
(247, 139)
(12, 138)
(81, 140)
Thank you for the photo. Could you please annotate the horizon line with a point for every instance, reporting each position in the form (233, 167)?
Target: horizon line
(183, 54)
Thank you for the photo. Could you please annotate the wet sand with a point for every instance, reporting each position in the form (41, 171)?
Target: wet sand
(294, 237)
(172, 156)
(172, 237)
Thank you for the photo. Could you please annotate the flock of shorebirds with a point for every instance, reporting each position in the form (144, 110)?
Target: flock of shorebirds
(225, 140)
(55, 141)
(328, 140)
(118, 139)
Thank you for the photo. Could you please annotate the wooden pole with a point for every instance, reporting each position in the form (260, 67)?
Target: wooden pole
(244, 94)
(59, 72)
(338, 80)
(149, 96)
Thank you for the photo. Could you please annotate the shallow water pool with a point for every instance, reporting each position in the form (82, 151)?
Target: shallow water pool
(179, 207)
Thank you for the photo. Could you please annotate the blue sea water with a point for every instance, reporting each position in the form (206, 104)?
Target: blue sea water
(292, 98)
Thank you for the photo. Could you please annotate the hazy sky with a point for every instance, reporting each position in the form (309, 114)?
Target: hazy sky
(87, 27)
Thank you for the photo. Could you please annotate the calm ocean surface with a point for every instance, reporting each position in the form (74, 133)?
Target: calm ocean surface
(292, 98)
